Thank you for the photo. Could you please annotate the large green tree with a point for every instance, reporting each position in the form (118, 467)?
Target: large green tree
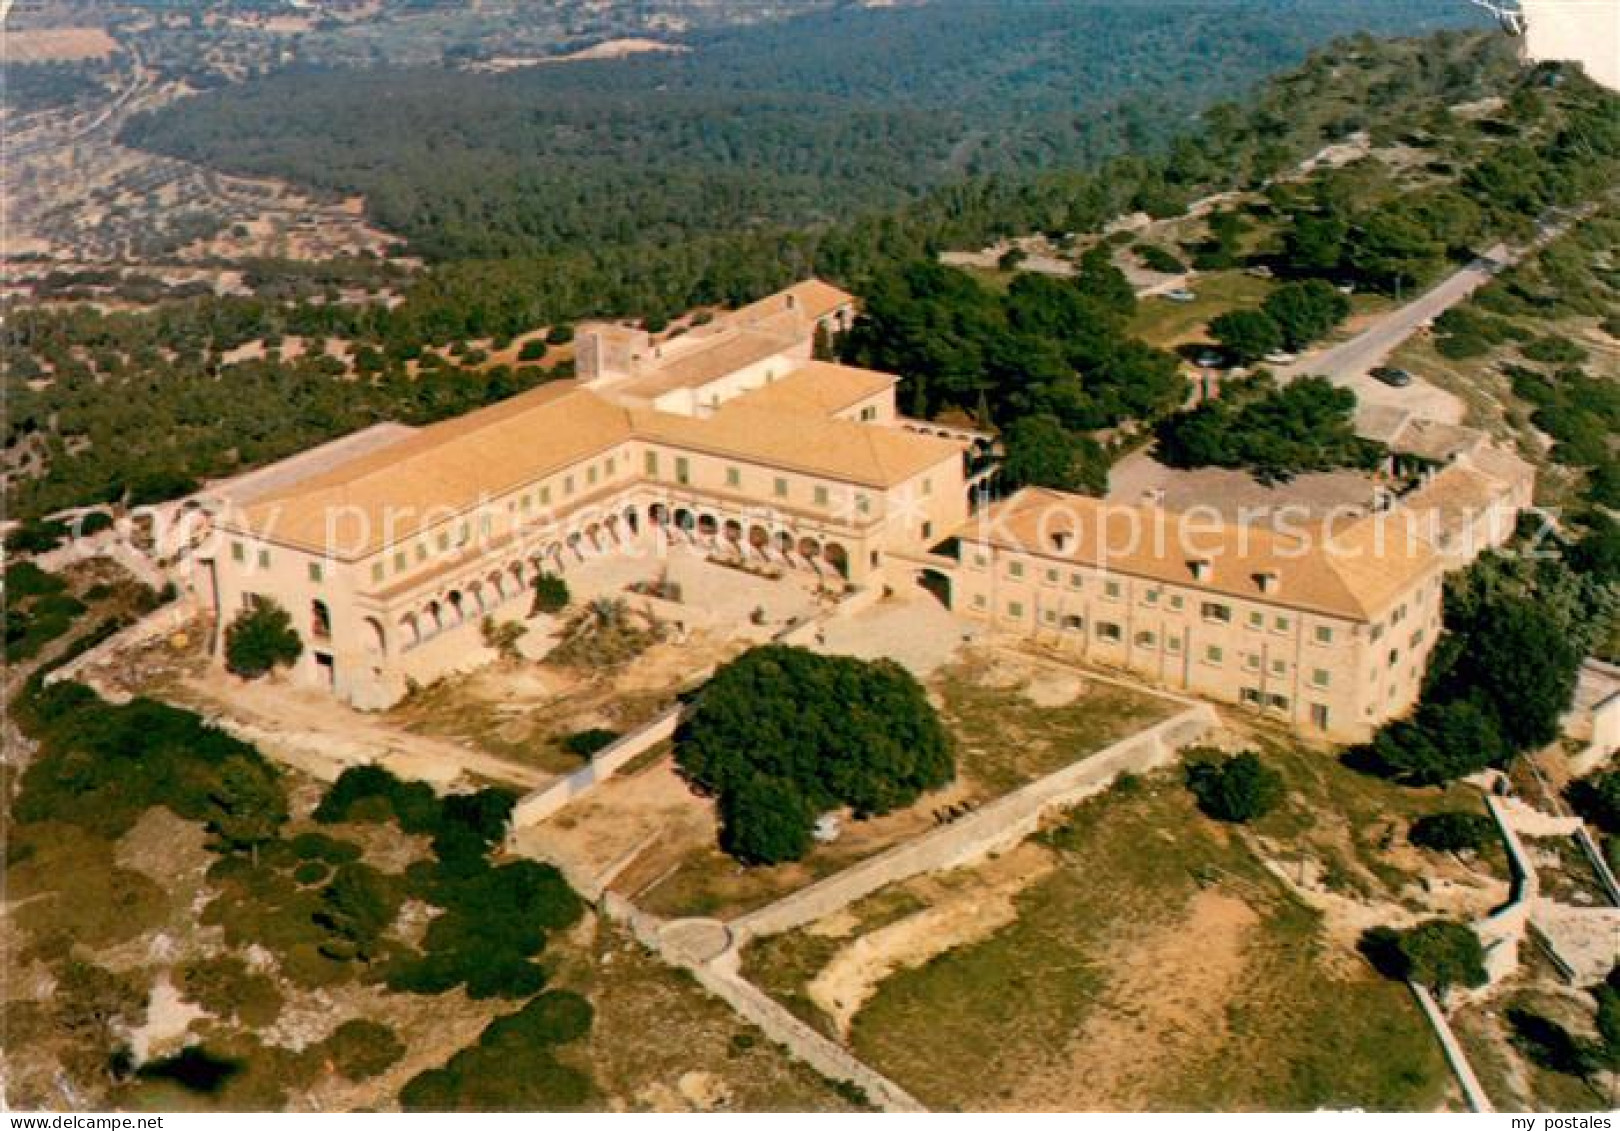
(782, 733)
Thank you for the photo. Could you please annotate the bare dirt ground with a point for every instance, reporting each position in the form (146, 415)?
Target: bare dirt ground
(58, 44)
(1165, 1002)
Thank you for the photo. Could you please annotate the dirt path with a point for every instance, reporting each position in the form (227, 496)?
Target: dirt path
(961, 917)
(1164, 1005)
(322, 737)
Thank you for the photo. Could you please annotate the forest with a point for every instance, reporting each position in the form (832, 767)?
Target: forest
(790, 122)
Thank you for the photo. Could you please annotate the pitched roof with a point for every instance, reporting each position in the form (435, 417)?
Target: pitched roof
(361, 504)
(725, 353)
(819, 387)
(1353, 571)
(365, 503)
(812, 300)
(867, 454)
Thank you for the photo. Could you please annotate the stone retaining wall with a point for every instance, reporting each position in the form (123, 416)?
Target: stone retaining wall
(547, 800)
(995, 826)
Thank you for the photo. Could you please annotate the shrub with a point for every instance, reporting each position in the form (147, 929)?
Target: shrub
(1597, 798)
(553, 1018)
(328, 849)
(36, 536)
(1237, 789)
(550, 594)
(1442, 953)
(261, 638)
(360, 1049)
(586, 743)
(228, 988)
(534, 349)
(1553, 350)
(1156, 258)
(311, 872)
(560, 334)
(1453, 831)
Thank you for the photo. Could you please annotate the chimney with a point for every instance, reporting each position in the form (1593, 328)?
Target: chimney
(1268, 580)
(1201, 568)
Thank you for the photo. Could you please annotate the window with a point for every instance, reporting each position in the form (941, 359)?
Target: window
(1048, 616)
(1111, 590)
(1257, 620)
(463, 534)
(863, 504)
(1110, 632)
(1015, 609)
(1251, 661)
(928, 487)
(869, 413)
(1211, 610)
(1279, 667)
(1280, 624)
(238, 552)
(1214, 654)
(821, 496)
(650, 463)
(1394, 656)
(264, 559)
(1277, 702)
(421, 551)
(683, 470)
(1051, 577)
(1321, 677)
(399, 562)
(612, 466)
(978, 600)
(1146, 640)
(590, 475)
(1076, 580)
(1324, 634)
(1177, 602)
(781, 488)
(1377, 632)
(315, 574)
(484, 525)
(1250, 696)
(568, 485)
(527, 503)
(1172, 644)
(1150, 597)
(1319, 716)
(733, 477)
(545, 496)
(1015, 569)
(376, 571)
(1074, 624)
(980, 561)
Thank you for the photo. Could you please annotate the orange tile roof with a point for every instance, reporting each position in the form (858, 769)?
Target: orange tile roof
(819, 387)
(1354, 571)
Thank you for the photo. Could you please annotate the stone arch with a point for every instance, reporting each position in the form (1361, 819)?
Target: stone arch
(937, 584)
(784, 543)
(632, 521)
(836, 556)
(592, 540)
(433, 617)
(410, 631)
(809, 549)
(575, 540)
(496, 584)
(685, 521)
(515, 571)
(707, 525)
(733, 531)
(475, 590)
(457, 605)
(658, 515)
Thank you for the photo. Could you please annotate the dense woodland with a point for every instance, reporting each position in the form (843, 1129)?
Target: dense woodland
(788, 122)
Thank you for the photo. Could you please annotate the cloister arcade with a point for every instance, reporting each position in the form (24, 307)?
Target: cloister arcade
(765, 541)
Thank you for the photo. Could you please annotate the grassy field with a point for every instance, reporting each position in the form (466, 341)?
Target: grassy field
(1166, 324)
(1152, 953)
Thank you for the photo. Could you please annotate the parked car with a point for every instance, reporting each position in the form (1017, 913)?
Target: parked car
(1281, 357)
(1180, 294)
(1393, 376)
(1209, 359)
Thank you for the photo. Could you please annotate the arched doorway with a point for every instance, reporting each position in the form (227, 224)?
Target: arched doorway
(837, 557)
(707, 526)
(410, 632)
(320, 620)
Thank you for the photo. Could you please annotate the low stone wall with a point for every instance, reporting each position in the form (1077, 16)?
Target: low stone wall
(547, 800)
(161, 622)
(1502, 932)
(995, 826)
(1473, 1090)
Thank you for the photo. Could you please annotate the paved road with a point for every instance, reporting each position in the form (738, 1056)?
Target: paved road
(1347, 364)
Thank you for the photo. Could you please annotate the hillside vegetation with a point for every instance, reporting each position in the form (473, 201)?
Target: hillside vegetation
(787, 122)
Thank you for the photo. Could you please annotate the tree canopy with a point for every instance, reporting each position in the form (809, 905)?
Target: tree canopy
(780, 734)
